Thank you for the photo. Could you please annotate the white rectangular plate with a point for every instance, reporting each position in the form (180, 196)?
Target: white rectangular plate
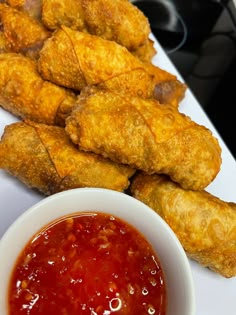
(215, 295)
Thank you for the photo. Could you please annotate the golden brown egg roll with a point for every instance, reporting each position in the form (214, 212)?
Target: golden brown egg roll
(146, 135)
(74, 59)
(43, 157)
(32, 7)
(25, 94)
(118, 20)
(204, 224)
(22, 32)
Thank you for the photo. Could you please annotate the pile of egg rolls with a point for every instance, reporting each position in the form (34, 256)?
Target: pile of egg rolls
(95, 112)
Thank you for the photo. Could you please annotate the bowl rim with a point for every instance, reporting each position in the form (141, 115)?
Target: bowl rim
(41, 207)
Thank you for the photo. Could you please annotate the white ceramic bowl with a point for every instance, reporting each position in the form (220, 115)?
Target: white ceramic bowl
(175, 265)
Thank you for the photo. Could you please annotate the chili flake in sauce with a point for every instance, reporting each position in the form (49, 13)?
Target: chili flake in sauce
(87, 264)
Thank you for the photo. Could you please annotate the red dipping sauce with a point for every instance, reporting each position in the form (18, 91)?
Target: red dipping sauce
(87, 264)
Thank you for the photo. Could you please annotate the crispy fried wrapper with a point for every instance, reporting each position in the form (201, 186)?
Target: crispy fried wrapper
(22, 32)
(43, 157)
(32, 7)
(118, 20)
(2, 43)
(146, 135)
(75, 60)
(127, 25)
(204, 224)
(25, 94)
(146, 51)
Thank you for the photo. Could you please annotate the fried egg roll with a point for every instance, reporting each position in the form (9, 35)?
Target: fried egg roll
(75, 60)
(133, 33)
(43, 157)
(146, 135)
(25, 94)
(204, 224)
(32, 7)
(118, 20)
(22, 32)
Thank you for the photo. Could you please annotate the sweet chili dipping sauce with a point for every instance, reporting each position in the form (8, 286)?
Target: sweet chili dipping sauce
(87, 264)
